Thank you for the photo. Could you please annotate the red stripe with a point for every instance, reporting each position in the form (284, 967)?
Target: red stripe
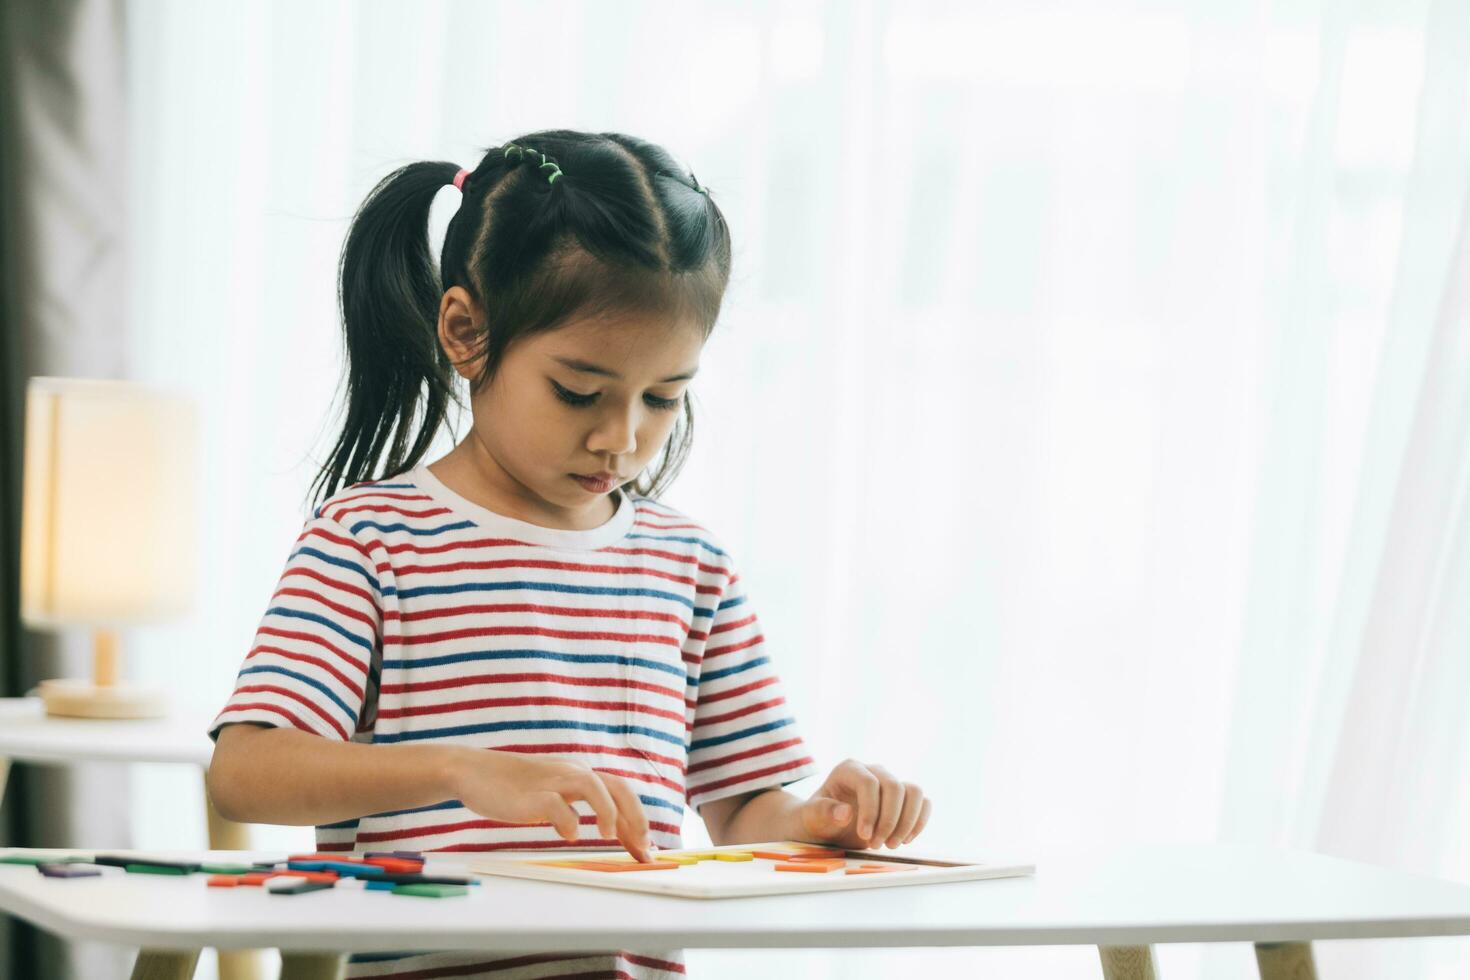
(336, 607)
(733, 647)
(312, 573)
(523, 678)
(436, 830)
(671, 527)
(560, 748)
(437, 709)
(313, 638)
(563, 566)
(410, 547)
(528, 607)
(735, 692)
(277, 709)
(293, 695)
(347, 542)
(644, 777)
(381, 494)
(669, 555)
(469, 631)
(307, 658)
(741, 712)
(386, 509)
(745, 777)
(725, 760)
(726, 627)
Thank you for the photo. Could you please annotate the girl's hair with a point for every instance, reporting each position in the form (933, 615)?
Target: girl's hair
(623, 229)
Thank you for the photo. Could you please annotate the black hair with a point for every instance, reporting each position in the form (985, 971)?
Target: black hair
(623, 228)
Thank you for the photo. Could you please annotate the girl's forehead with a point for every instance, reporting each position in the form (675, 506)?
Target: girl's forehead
(640, 343)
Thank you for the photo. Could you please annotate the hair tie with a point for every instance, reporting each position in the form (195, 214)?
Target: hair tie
(520, 154)
(459, 180)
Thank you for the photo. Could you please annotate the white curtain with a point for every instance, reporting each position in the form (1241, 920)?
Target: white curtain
(1088, 413)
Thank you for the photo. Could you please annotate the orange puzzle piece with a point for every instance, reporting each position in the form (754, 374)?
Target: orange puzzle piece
(625, 865)
(814, 865)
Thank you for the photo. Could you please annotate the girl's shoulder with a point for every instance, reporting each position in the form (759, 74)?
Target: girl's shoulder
(657, 519)
(394, 493)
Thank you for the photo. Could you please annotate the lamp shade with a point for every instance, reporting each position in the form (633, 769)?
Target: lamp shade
(109, 510)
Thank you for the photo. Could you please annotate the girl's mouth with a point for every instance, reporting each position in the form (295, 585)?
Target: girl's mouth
(594, 485)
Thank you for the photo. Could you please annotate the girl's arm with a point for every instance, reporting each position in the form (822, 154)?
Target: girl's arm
(858, 806)
(280, 775)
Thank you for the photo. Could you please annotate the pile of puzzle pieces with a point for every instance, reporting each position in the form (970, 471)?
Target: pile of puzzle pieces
(810, 860)
(398, 872)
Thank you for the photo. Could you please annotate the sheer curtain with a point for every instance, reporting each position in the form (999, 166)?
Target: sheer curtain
(1088, 413)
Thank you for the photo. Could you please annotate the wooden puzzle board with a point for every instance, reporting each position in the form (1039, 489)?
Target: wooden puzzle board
(718, 872)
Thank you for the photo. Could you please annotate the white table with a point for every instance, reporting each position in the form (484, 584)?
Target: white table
(29, 735)
(1121, 901)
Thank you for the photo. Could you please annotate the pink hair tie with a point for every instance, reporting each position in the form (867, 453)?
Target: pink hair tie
(459, 180)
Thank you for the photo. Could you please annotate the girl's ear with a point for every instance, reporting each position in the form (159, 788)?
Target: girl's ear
(459, 331)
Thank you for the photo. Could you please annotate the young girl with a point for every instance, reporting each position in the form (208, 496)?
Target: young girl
(518, 646)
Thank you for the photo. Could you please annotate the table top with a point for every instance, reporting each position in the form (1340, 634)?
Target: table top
(28, 734)
(1124, 896)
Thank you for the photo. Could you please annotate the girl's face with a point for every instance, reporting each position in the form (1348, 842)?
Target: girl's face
(591, 398)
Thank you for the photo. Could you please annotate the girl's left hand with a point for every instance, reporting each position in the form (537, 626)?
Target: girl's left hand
(863, 806)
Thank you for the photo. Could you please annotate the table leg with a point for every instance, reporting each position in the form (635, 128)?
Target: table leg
(312, 966)
(165, 964)
(226, 835)
(1285, 961)
(1128, 962)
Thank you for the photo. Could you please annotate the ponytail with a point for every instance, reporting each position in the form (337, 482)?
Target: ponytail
(389, 293)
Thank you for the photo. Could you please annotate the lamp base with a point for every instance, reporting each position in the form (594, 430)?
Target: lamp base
(81, 699)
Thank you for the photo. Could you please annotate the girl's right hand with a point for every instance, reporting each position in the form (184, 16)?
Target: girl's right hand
(519, 788)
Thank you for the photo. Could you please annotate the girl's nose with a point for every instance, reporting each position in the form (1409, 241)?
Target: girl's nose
(615, 435)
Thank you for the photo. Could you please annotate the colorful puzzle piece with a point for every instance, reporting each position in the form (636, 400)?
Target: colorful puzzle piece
(817, 865)
(431, 891)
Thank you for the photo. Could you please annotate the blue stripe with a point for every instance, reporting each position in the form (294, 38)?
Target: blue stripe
(575, 658)
(732, 602)
(665, 537)
(655, 801)
(421, 531)
(543, 587)
(344, 825)
(714, 675)
(297, 675)
(332, 625)
(517, 726)
(446, 805)
(705, 743)
(393, 486)
(339, 562)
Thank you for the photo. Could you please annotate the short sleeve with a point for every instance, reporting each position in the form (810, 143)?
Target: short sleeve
(311, 663)
(745, 737)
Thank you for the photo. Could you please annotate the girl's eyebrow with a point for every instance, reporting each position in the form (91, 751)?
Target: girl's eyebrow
(587, 368)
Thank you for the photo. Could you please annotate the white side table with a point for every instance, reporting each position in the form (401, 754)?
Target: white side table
(1122, 900)
(28, 734)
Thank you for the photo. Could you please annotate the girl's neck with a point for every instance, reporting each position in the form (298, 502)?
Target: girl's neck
(472, 472)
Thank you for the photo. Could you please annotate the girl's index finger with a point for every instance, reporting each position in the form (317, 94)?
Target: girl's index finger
(865, 786)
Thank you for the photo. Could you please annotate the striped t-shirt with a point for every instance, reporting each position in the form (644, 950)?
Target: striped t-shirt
(408, 614)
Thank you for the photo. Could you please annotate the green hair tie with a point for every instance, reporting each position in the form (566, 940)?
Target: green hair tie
(522, 152)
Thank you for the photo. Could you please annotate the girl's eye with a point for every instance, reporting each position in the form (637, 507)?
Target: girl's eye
(580, 401)
(571, 397)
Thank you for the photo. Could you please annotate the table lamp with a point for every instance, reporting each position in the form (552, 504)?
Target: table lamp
(108, 526)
